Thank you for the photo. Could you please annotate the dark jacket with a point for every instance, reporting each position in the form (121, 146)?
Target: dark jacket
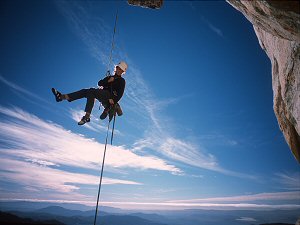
(116, 88)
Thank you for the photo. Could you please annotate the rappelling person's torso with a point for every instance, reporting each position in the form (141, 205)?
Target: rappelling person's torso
(116, 87)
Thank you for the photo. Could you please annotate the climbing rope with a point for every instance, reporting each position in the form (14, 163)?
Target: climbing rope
(112, 131)
(112, 45)
(107, 132)
(108, 74)
(101, 174)
(103, 162)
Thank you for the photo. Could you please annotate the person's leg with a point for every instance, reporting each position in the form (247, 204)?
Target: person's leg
(90, 100)
(90, 95)
(75, 95)
(65, 97)
(103, 96)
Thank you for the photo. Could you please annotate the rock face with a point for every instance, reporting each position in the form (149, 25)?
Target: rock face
(153, 4)
(277, 26)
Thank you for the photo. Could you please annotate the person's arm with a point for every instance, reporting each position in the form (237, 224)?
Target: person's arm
(103, 82)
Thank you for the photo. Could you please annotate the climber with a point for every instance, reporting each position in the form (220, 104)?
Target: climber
(109, 92)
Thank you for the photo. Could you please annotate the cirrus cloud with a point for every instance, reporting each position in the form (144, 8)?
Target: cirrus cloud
(43, 156)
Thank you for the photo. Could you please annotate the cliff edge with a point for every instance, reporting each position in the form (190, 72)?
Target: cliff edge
(277, 26)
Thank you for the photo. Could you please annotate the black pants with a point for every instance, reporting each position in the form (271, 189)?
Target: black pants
(90, 95)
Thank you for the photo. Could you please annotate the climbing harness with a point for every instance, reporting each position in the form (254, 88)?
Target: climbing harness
(108, 126)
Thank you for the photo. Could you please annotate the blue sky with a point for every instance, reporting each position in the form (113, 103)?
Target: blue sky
(198, 129)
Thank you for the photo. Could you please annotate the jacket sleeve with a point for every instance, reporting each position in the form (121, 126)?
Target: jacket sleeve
(104, 82)
(119, 91)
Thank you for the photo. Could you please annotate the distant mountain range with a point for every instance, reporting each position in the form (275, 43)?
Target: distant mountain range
(277, 224)
(58, 215)
(10, 219)
(41, 218)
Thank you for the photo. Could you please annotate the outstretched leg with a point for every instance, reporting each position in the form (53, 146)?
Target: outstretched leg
(59, 96)
(89, 94)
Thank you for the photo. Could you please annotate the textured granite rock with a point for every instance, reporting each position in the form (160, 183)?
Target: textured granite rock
(153, 4)
(277, 26)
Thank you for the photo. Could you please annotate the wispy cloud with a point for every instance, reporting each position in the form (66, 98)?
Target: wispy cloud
(289, 181)
(21, 90)
(41, 156)
(159, 136)
(164, 205)
(212, 27)
(215, 29)
(34, 179)
(41, 177)
(177, 206)
(183, 151)
(246, 219)
(32, 138)
(276, 196)
(218, 139)
(29, 96)
(36, 153)
(262, 201)
(92, 30)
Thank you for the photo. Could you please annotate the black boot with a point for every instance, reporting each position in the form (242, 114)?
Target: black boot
(84, 120)
(57, 94)
(104, 113)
